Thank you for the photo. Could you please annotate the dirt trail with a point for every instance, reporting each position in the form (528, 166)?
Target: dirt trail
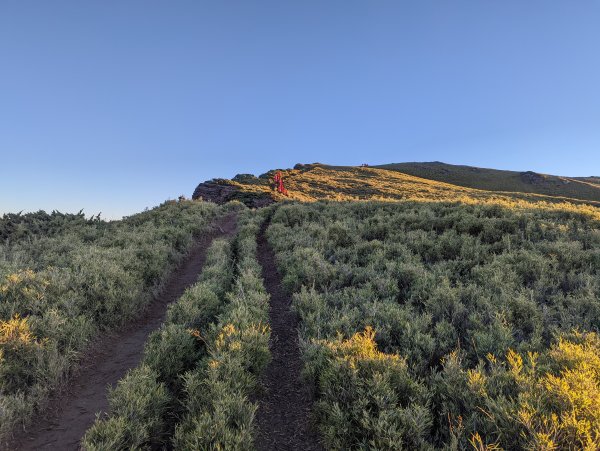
(73, 412)
(283, 415)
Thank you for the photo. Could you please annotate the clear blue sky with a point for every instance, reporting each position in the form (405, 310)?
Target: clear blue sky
(113, 106)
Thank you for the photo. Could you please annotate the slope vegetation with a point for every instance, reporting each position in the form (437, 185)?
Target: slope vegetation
(309, 183)
(584, 188)
(429, 325)
(66, 280)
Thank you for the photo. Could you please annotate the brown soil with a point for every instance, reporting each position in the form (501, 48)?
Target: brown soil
(284, 412)
(72, 411)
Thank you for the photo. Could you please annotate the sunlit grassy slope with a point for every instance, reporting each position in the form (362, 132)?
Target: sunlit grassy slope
(585, 188)
(346, 183)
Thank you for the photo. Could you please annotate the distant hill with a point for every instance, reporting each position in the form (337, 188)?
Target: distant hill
(313, 182)
(583, 188)
(594, 180)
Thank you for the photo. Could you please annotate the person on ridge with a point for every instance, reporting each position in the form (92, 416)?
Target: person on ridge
(279, 183)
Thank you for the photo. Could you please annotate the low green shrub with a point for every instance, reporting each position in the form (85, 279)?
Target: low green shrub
(217, 273)
(198, 306)
(138, 405)
(367, 399)
(532, 401)
(219, 414)
(171, 351)
(19, 353)
(223, 418)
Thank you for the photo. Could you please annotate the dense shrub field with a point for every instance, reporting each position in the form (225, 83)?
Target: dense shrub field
(424, 325)
(146, 400)
(65, 278)
(446, 326)
(191, 389)
(17, 226)
(219, 414)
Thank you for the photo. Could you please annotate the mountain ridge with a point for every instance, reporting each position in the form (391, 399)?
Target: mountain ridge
(581, 188)
(317, 181)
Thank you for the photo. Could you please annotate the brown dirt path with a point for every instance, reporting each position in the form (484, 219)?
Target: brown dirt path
(284, 412)
(72, 412)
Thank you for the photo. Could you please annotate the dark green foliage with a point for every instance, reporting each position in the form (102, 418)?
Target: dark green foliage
(16, 226)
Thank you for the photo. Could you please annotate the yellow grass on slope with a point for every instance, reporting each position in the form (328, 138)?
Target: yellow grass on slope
(368, 184)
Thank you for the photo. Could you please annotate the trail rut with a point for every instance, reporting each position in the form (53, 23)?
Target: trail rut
(73, 411)
(284, 412)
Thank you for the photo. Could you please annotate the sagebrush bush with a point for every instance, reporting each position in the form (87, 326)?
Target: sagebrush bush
(24, 293)
(20, 352)
(217, 273)
(559, 404)
(222, 423)
(367, 399)
(137, 406)
(171, 351)
(198, 306)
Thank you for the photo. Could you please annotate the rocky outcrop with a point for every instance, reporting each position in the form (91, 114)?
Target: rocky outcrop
(215, 190)
(306, 166)
(221, 191)
(533, 178)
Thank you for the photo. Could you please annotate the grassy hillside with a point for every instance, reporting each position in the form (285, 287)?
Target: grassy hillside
(584, 188)
(346, 183)
(431, 315)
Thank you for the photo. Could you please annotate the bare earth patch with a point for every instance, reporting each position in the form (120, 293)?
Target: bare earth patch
(284, 413)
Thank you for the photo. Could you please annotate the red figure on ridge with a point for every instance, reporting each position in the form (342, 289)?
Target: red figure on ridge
(279, 183)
